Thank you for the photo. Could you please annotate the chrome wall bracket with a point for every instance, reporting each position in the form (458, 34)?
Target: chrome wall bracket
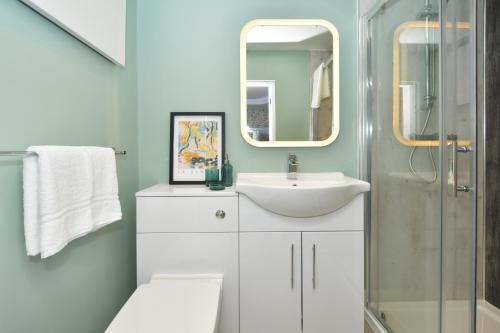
(464, 188)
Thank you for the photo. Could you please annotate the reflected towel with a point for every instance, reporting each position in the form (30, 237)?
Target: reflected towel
(68, 192)
(321, 86)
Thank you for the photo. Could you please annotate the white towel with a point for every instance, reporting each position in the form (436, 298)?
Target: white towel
(321, 86)
(68, 192)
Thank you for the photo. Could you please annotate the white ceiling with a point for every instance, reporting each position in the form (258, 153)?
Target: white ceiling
(311, 37)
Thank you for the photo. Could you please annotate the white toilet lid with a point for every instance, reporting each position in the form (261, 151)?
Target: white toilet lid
(171, 306)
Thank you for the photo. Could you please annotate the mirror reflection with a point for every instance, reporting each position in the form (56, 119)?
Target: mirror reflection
(415, 69)
(289, 83)
(416, 76)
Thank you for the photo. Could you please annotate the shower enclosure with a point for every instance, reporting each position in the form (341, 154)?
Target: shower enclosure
(419, 124)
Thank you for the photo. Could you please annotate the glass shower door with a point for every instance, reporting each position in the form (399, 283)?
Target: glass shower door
(421, 106)
(405, 220)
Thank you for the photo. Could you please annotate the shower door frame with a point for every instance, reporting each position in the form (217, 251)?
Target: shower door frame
(365, 133)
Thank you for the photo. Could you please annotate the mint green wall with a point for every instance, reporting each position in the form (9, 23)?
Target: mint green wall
(189, 61)
(56, 90)
(290, 71)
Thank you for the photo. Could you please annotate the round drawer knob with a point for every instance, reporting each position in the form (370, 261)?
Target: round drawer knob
(220, 214)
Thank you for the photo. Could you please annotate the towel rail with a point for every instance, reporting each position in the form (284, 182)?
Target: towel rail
(24, 152)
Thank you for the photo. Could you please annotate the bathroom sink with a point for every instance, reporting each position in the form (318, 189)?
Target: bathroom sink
(311, 194)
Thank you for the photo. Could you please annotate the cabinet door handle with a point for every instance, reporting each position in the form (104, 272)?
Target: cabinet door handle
(291, 264)
(314, 267)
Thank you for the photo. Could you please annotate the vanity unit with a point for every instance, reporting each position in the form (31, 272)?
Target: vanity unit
(282, 274)
(302, 272)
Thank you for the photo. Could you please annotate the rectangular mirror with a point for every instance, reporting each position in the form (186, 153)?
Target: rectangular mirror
(289, 83)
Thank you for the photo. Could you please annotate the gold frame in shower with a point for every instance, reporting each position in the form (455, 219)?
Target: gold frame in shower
(397, 63)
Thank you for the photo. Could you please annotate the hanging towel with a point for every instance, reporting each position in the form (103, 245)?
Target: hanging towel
(68, 192)
(326, 90)
(321, 86)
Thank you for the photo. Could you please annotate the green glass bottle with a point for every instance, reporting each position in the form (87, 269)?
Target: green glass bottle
(227, 173)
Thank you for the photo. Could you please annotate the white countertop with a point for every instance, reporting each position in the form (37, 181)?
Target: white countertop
(165, 190)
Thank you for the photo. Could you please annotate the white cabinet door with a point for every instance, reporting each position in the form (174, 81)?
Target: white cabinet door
(194, 253)
(333, 282)
(270, 282)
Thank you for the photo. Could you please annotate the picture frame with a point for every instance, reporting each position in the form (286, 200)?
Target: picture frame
(196, 139)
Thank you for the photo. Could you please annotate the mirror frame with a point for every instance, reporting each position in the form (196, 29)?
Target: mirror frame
(335, 79)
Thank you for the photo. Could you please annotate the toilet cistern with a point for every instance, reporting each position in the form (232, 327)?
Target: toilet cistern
(293, 165)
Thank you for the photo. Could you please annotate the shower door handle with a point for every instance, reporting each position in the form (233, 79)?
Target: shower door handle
(453, 143)
(314, 266)
(292, 259)
(455, 149)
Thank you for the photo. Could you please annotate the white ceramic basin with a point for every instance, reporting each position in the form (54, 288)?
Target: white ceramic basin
(311, 194)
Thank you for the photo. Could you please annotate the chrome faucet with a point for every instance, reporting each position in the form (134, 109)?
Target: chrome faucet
(293, 166)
